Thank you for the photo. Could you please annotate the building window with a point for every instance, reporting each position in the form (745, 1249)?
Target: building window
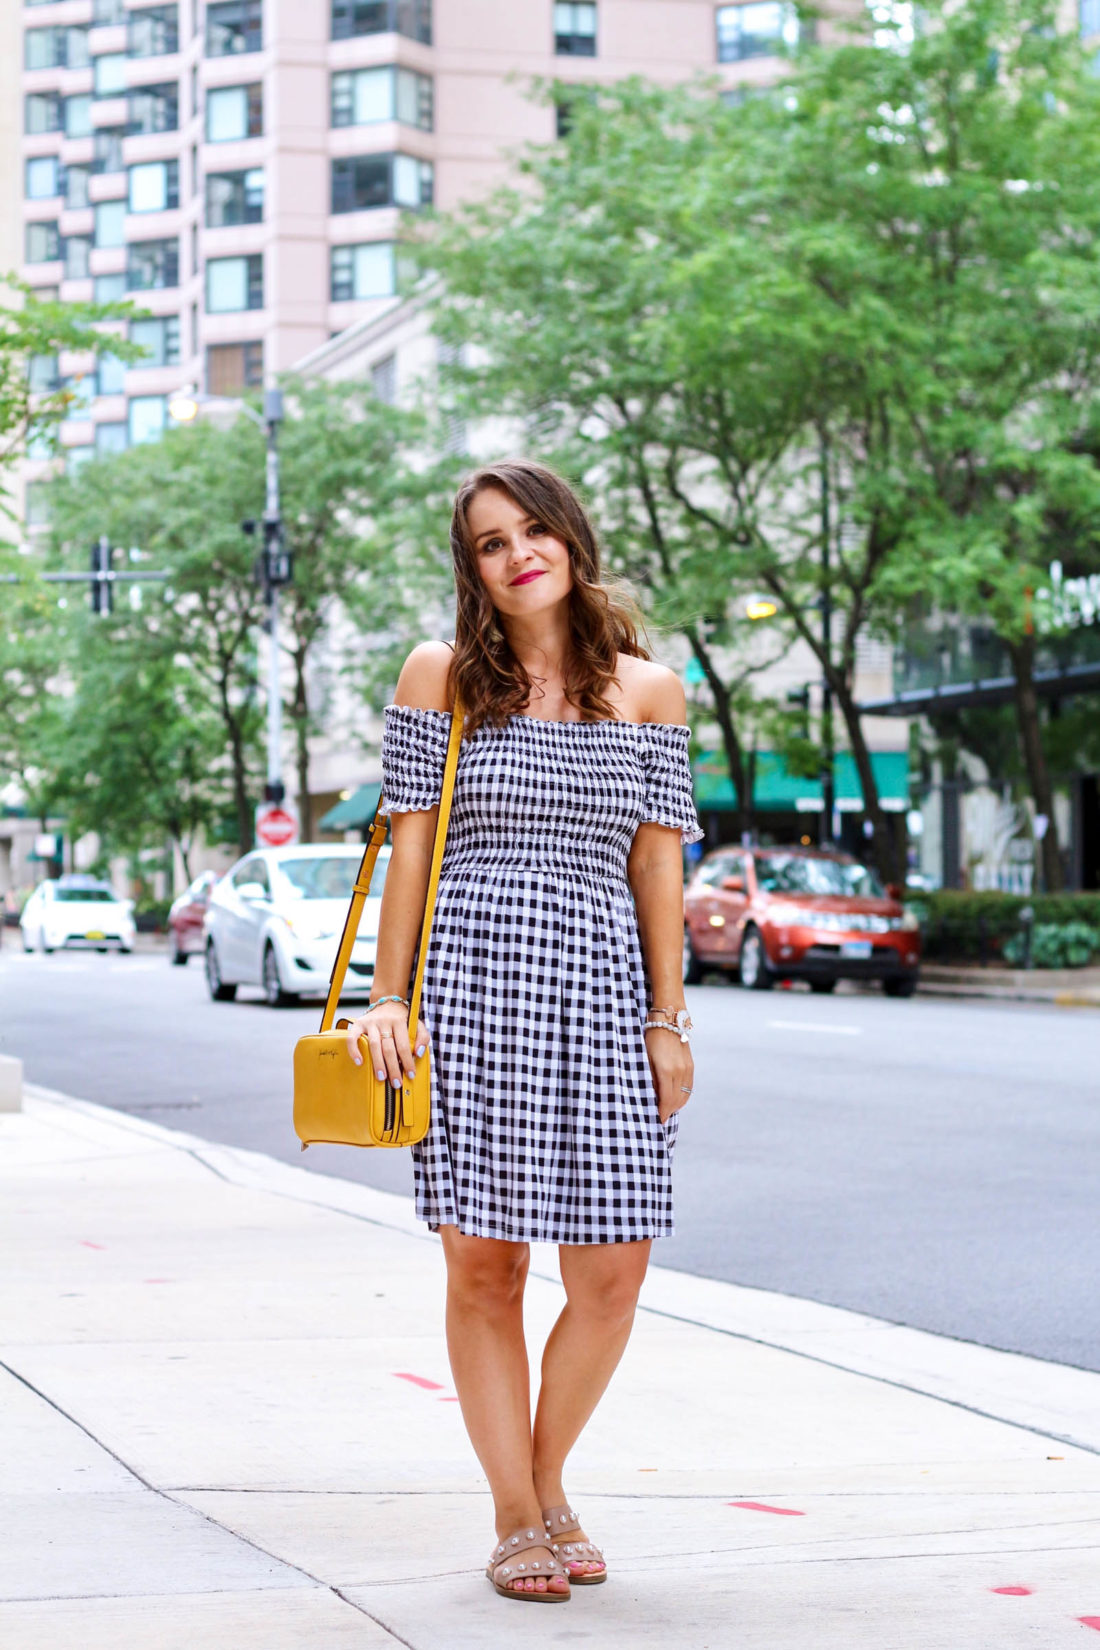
(159, 336)
(110, 375)
(76, 186)
(78, 115)
(234, 112)
(575, 29)
(45, 49)
(412, 18)
(42, 178)
(361, 182)
(42, 112)
(78, 257)
(383, 379)
(109, 289)
(108, 11)
(361, 96)
(81, 388)
(145, 418)
(154, 186)
(107, 149)
(1090, 17)
(234, 26)
(109, 75)
(365, 271)
(43, 243)
(234, 197)
(43, 376)
(76, 458)
(110, 438)
(153, 32)
(234, 284)
(762, 28)
(152, 264)
(110, 223)
(231, 368)
(154, 108)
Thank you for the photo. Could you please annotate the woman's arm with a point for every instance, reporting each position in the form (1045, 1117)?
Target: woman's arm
(423, 686)
(655, 873)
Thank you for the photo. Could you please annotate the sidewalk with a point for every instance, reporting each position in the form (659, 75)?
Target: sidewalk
(227, 1423)
(1065, 987)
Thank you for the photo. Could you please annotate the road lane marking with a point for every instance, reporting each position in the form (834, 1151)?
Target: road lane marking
(815, 1025)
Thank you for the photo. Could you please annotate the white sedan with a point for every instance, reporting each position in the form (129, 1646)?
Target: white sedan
(275, 920)
(76, 911)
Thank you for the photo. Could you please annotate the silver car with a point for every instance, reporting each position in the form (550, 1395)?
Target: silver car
(275, 920)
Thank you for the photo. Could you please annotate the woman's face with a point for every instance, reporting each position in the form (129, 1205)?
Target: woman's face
(525, 569)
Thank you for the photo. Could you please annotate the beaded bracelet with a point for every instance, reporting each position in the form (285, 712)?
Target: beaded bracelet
(378, 1001)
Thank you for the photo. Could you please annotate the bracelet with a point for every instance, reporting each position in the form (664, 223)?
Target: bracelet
(378, 1001)
(680, 1023)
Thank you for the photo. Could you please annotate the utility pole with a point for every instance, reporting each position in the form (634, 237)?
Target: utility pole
(828, 767)
(274, 569)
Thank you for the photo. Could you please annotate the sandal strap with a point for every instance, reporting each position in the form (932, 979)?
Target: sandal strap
(506, 1553)
(560, 1518)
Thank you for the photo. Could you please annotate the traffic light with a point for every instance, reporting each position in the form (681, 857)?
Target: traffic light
(278, 562)
(102, 590)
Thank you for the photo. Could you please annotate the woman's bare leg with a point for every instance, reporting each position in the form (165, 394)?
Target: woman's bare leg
(488, 1353)
(601, 1281)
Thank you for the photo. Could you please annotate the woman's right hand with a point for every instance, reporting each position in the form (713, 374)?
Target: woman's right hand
(386, 1029)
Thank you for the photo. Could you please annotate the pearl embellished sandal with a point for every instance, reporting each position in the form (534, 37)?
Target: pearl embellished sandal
(559, 1521)
(509, 1563)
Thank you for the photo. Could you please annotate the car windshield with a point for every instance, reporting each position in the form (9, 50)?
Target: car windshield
(82, 895)
(800, 874)
(331, 878)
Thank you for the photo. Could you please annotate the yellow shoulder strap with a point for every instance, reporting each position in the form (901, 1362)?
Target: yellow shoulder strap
(375, 839)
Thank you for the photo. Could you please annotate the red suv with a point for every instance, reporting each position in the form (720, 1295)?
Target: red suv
(767, 914)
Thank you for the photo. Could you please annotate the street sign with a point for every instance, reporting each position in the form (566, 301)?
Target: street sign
(276, 826)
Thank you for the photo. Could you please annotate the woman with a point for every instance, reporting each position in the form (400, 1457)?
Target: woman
(552, 985)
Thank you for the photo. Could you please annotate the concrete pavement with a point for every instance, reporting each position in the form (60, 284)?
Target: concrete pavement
(228, 1421)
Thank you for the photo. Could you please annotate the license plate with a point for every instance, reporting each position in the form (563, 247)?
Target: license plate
(95, 934)
(856, 949)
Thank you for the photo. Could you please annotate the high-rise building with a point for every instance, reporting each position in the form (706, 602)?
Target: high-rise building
(238, 168)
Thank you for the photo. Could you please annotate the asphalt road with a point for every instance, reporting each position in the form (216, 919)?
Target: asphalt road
(931, 1162)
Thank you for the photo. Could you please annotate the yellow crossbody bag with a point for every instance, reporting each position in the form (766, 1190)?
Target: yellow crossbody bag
(335, 1100)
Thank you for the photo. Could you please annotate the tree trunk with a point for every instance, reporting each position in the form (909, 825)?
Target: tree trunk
(300, 713)
(882, 845)
(1026, 704)
(735, 756)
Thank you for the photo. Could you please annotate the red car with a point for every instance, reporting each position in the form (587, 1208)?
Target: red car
(185, 919)
(767, 914)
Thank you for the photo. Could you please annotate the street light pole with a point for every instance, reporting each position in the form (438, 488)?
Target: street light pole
(828, 767)
(274, 573)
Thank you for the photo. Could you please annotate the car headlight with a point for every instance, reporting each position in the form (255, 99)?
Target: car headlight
(303, 929)
(796, 916)
(908, 920)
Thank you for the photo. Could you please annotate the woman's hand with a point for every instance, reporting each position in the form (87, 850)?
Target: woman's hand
(673, 1070)
(386, 1029)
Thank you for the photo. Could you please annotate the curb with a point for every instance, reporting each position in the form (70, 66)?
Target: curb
(1060, 1402)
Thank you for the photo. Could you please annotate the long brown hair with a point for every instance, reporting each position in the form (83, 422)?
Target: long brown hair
(604, 622)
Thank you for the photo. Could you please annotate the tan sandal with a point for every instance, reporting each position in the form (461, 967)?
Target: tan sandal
(504, 1566)
(559, 1522)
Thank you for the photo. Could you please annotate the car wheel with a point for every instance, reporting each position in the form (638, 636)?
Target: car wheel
(752, 967)
(693, 968)
(900, 985)
(177, 956)
(47, 950)
(219, 991)
(27, 946)
(125, 950)
(273, 984)
(822, 988)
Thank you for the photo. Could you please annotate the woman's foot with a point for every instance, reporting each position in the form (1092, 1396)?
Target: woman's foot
(523, 1565)
(583, 1561)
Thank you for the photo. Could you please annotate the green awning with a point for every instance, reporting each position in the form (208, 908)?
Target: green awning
(777, 790)
(355, 812)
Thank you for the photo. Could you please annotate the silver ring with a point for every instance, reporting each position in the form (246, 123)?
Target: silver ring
(683, 1090)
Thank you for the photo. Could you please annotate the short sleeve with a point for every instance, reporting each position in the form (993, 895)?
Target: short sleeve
(668, 798)
(414, 754)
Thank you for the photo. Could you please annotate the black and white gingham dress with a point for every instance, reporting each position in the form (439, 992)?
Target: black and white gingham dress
(544, 1117)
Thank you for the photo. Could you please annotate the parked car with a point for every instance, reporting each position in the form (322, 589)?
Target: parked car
(186, 916)
(767, 914)
(276, 917)
(77, 911)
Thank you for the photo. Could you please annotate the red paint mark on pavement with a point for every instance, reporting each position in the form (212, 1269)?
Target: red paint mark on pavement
(1013, 1592)
(419, 1380)
(1090, 1621)
(88, 1244)
(448, 1400)
(762, 1506)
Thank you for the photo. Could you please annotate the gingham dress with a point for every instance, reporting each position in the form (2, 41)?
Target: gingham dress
(544, 1117)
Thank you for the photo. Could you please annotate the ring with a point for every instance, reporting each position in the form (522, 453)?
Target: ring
(683, 1090)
